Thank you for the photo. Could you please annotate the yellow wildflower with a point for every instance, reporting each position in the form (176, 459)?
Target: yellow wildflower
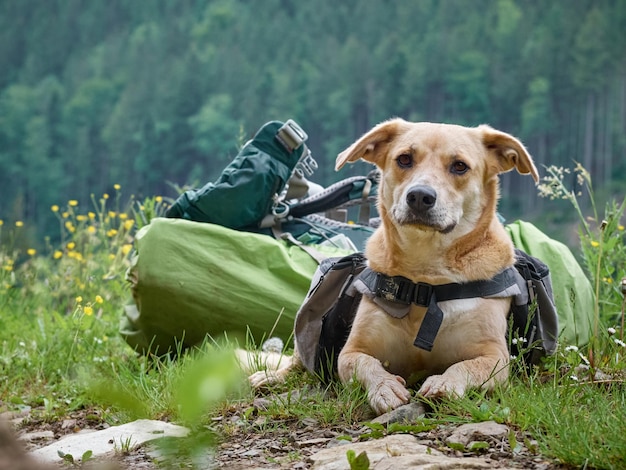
(128, 224)
(88, 310)
(91, 229)
(99, 299)
(57, 254)
(70, 227)
(8, 267)
(158, 198)
(116, 187)
(81, 218)
(111, 233)
(79, 299)
(65, 215)
(91, 215)
(112, 214)
(31, 252)
(76, 255)
(54, 208)
(620, 227)
(595, 244)
(105, 196)
(19, 223)
(73, 202)
(126, 248)
(123, 216)
(71, 245)
(1, 222)
(111, 256)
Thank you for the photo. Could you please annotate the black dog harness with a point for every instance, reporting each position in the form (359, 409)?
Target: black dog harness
(389, 291)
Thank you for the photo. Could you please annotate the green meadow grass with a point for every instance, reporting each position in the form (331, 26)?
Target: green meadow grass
(60, 350)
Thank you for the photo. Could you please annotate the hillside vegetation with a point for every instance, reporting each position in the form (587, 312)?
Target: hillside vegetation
(140, 94)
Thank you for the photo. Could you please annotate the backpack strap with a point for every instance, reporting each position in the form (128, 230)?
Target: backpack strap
(404, 291)
(350, 191)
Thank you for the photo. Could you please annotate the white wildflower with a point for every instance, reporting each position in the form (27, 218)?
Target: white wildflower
(584, 358)
(571, 348)
(611, 331)
(619, 342)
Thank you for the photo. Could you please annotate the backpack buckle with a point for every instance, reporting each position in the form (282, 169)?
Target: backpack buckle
(307, 165)
(291, 135)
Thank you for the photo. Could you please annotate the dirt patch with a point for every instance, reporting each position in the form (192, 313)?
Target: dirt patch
(290, 443)
(243, 438)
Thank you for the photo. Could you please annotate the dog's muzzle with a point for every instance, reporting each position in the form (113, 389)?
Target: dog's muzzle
(420, 201)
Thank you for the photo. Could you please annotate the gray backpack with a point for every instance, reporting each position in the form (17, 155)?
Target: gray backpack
(324, 319)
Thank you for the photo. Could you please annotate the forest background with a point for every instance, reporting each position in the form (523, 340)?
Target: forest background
(154, 94)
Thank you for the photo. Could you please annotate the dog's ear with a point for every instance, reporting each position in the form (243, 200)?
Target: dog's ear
(509, 152)
(369, 147)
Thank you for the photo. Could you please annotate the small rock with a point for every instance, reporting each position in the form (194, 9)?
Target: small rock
(261, 403)
(338, 442)
(310, 422)
(68, 424)
(37, 435)
(312, 442)
(403, 414)
(473, 431)
(251, 453)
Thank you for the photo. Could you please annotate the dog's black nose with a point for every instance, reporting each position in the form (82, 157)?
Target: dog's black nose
(421, 198)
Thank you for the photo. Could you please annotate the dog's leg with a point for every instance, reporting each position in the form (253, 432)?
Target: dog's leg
(481, 372)
(385, 391)
(277, 369)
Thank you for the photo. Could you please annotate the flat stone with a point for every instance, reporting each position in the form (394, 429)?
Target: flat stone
(475, 431)
(334, 458)
(393, 452)
(105, 441)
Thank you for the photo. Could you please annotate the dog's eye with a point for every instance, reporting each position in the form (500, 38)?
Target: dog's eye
(405, 160)
(459, 168)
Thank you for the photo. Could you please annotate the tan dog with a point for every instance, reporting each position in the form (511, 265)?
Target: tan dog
(437, 203)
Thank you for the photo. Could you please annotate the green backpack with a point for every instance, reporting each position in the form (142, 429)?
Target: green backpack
(209, 268)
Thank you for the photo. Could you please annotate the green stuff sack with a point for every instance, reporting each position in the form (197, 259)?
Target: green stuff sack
(244, 193)
(191, 279)
(573, 293)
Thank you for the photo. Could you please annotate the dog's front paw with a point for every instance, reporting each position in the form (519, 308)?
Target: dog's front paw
(438, 386)
(389, 394)
(264, 377)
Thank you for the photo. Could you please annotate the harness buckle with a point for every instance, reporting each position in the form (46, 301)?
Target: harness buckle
(395, 289)
(422, 294)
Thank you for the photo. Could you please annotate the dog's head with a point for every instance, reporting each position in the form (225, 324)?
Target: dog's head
(438, 177)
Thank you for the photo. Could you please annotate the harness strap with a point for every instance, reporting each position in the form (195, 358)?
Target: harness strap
(402, 290)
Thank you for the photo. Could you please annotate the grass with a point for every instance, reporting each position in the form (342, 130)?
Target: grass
(60, 350)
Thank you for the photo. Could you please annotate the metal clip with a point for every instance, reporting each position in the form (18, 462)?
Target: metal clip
(307, 165)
